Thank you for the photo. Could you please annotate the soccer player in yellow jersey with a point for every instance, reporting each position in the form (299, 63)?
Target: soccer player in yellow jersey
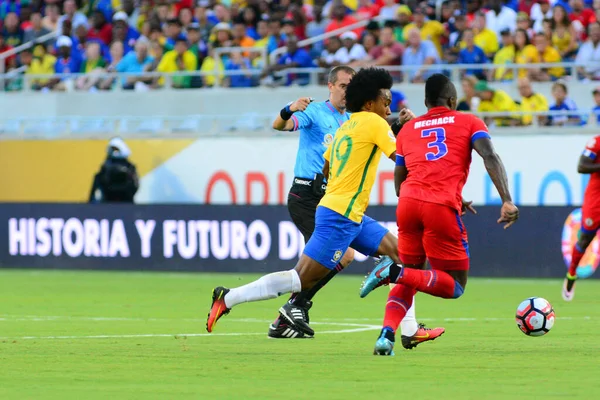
(340, 220)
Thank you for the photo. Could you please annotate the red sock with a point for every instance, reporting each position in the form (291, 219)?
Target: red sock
(576, 257)
(434, 282)
(399, 301)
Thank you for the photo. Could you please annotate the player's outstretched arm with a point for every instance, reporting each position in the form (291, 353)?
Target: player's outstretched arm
(587, 165)
(495, 168)
(283, 121)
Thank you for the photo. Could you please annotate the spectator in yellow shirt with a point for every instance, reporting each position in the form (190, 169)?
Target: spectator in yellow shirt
(484, 38)
(506, 55)
(262, 28)
(564, 35)
(525, 52)
(430, 30)
(213, 68)
(531, 101)
(494, 100)
(38, 63)
(546, 54)
(180, 59)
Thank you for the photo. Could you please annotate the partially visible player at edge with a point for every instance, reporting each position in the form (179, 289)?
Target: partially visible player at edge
(432, 165)
(317, 123)
(340, 223)
(590, 213)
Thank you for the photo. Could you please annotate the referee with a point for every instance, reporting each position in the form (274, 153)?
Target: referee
(317, 123)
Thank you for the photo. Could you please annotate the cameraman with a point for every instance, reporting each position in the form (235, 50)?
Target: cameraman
(117, 180)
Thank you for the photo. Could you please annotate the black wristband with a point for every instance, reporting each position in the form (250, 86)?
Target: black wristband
(396, 126)
(286, 113)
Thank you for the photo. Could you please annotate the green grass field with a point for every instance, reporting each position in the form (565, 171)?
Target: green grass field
(88, 335)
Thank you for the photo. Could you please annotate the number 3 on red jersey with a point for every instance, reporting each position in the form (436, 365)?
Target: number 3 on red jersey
(438, 143)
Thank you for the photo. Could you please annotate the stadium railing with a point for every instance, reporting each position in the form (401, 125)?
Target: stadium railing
(243, 124)
(315, 39)
(311, 76)
(16, 50)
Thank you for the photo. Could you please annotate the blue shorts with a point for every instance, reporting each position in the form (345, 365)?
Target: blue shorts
(334, 233)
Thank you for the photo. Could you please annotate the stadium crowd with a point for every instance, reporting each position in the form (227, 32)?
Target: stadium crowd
(170, 36)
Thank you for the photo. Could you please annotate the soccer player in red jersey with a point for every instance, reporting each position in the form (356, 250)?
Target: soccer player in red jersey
(433, 156)
(590, 213)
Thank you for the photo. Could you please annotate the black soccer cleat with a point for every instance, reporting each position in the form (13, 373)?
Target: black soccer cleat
(297, 316)
(282, 330)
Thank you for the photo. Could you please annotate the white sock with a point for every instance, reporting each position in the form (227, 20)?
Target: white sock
(267, 287)
(409, 326)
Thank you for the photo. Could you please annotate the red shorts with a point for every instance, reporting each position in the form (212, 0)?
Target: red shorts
(432, 231)
(590, 217)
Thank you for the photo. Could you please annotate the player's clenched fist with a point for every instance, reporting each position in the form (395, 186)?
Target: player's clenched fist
(509, 213)
(300, 104)
(406, 115)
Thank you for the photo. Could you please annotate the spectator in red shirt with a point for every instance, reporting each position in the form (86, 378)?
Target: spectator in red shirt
(366, 10)
(100, 29)
(473, 7)
(339, 19)
(10, 62)
(180, 5)
(583, 16)
(300, 20)
(25, 16)
(525, 6)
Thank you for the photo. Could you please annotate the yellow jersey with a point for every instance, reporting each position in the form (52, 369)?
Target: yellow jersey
(528, 55)
(41, 66)
(551, 55)
(499, 103)
(353, 158)
(211, 64)
(561, 43)
(431, 30)
(505, 55)
(488, 41)
(168, 63)
(536, 102)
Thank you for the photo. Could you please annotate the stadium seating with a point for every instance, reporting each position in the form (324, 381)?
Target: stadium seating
(149, 45)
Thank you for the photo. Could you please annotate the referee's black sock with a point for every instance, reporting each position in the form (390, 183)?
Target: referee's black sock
(306, 295)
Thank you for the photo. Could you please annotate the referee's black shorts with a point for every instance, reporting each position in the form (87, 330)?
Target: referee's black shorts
(302, 204)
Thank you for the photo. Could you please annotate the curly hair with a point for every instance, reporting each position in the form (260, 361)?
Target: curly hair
(366, 86)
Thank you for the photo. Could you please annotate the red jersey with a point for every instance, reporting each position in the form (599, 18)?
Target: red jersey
(436, 150)
(348, 20)
(592, 192)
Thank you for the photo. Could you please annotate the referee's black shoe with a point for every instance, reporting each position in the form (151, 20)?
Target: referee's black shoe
(280, 329)
(296, 315)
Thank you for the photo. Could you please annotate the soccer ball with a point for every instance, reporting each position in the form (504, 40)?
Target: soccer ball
(535, 316)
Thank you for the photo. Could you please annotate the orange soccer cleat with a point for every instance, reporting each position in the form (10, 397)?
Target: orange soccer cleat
(218, 308)
(423, 334)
